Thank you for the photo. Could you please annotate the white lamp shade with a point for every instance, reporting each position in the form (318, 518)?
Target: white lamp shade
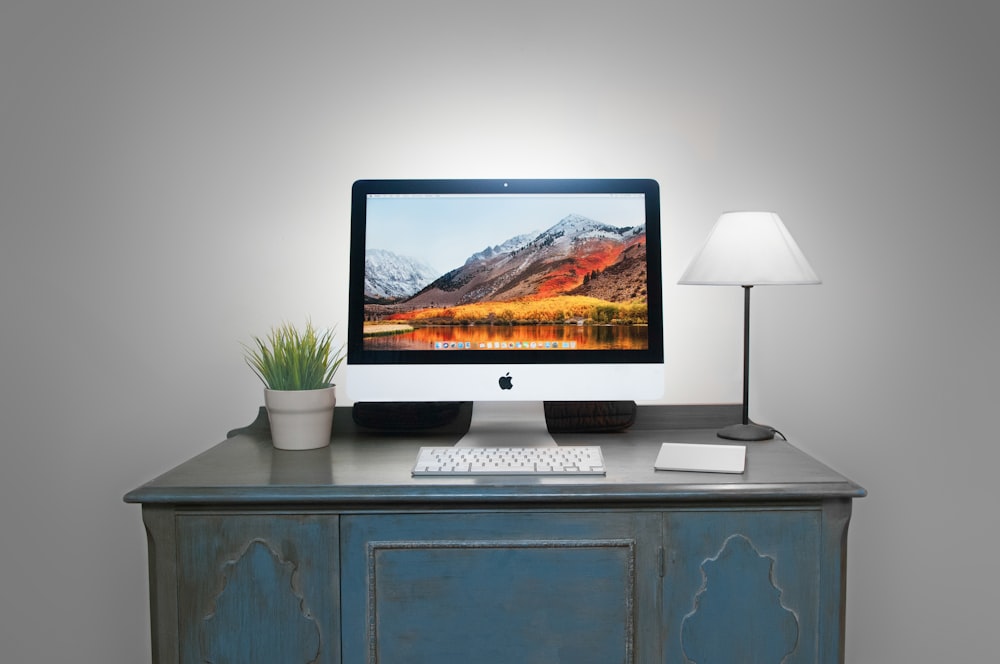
(749, 249)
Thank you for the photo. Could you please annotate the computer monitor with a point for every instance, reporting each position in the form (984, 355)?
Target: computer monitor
(506, 293)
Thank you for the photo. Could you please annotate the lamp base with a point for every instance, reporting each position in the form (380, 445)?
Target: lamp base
(748, 432)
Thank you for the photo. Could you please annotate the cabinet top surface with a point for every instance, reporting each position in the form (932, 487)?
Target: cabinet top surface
(363, 468)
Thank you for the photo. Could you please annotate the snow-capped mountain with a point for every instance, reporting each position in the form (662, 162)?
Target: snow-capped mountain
(570, 256)
(389, 275)
(510, 245)
(576, 228)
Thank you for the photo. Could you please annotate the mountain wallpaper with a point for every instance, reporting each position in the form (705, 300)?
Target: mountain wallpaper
(578, 270)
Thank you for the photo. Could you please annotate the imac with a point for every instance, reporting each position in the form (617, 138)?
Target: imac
(506, 293)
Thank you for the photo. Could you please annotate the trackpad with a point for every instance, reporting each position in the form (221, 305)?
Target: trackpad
(701, 457)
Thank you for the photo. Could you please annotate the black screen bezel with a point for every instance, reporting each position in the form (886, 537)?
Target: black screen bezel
(357, 354)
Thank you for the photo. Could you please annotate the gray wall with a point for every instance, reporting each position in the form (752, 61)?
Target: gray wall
(174, 177)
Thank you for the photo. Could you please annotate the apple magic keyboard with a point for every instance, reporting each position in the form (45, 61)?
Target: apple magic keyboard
(459, 461)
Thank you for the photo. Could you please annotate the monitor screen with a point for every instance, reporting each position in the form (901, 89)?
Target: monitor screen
(505, 290)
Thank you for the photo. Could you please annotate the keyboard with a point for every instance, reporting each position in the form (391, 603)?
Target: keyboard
(466, 461)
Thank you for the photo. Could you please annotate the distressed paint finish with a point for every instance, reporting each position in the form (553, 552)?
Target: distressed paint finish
(556, 601)
(528, 588)
(258, 589)
(738, 597)
(358, 562)
(743, 585)
(259, 599)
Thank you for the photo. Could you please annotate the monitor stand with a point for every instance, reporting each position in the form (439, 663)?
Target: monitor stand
(507, 424)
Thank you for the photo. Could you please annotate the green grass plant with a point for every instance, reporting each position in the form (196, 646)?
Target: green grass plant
(292, 360)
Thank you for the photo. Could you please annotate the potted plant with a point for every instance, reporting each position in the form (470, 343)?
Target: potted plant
(297, 370)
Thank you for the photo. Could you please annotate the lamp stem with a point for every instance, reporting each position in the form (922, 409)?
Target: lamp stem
(747, 430)
(746, 354)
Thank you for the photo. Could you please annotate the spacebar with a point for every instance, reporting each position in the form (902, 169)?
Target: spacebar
(494, 470)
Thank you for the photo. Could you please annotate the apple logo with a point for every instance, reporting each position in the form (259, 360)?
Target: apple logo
(506, 382)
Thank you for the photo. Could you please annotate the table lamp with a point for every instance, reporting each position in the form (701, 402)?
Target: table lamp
(749, 249)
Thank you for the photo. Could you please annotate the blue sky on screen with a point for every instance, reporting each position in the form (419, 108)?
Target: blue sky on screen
(443, 231)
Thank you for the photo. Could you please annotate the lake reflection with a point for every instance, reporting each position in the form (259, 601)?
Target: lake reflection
(487, 337)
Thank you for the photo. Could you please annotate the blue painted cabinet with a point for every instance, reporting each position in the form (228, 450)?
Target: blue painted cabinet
(526, 587)
(706, 585)
(690, 584)
(258, 588)
(754, 585)
(258, 556)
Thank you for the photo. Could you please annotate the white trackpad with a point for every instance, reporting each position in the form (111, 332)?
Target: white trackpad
(702, 458)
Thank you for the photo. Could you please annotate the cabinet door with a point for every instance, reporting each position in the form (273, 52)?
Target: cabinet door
(258, 588)
(500, 588)
(742, 586)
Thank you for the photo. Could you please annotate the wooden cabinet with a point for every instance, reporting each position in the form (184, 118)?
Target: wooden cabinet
(490, 588)
(338, 555)
(754, 584)
(260, 587)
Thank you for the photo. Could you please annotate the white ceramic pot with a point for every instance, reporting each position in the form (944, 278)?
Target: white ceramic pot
(300, 419)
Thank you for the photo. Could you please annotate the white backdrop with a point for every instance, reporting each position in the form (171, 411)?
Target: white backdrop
(175, 177)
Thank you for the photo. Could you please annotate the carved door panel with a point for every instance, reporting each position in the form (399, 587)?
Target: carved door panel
(742, 586)
(500, 588)
(258, 588)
